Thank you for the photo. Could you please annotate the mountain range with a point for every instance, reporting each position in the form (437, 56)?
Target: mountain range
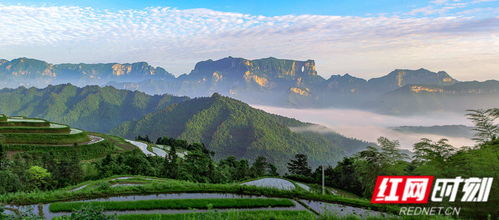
(270, 81)
(31, 72)
(225, 125)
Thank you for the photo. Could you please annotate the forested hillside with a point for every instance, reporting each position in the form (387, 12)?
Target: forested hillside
(232, 128)
(91, 108)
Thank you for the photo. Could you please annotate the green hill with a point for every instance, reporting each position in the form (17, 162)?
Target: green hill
(230, 127)
(91, 108)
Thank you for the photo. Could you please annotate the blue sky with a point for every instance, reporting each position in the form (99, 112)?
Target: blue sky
(272, 7)
(363, 38)
(255, 7)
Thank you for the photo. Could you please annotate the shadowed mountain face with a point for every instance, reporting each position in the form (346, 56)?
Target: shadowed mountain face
(230, 127)
(269, 81)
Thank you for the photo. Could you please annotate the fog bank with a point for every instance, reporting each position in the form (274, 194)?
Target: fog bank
(369, 126)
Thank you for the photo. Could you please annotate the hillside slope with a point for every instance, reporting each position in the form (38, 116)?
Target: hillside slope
(91, 108)
(230, 127)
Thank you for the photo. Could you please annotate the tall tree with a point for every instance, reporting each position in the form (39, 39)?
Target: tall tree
(391, 150)
(170, 165)
(426, 150)
(259, 167)
(299, 165)
(432, 158)
(485, 126)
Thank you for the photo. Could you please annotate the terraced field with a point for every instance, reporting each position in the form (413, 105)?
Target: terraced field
(138, 197)
(33, 136)
(34, 131)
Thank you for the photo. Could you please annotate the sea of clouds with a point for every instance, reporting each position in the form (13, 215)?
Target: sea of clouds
(369, 126)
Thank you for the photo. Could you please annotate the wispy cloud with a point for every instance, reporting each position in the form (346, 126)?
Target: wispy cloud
(176, 39)
(444, 7)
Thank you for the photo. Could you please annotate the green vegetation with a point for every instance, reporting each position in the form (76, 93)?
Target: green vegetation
(175, 186)
(53, 128)
(84, 152)
(23, 121)
(66, 165)
(90, 108)
(226, 215)
(486, 129)
(33, 131)
(358, 173)
(173, 204)
(232, 128)
(45, 138)
(354, 217)
(87, 213)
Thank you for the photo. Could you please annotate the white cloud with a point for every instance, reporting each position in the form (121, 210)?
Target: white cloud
(176, 39)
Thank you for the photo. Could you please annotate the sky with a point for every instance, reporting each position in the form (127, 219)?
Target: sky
(364, 38)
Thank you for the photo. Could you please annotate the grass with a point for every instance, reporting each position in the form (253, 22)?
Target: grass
(264, 214)
(84, 152)
(119, 142)
(227, 215)
(30, 122)
(354, 217)
(44, 138)
(111, 144)
(177, 186)
(54, 128)
(172, 204)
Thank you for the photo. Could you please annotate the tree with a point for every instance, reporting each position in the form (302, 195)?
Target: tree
(145, 139)
(259, 167)
(67, 171)
(344, 176)
(390, 150)
(38, 176)
(426, 150)
(170, 164)
(299, 166)
(9, 182)
(242, 170)
(272, 170)
(3, 157)
(485, 126)
(196, 167)
(431, 157)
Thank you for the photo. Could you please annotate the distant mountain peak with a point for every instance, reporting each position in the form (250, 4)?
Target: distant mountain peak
(32, 72)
